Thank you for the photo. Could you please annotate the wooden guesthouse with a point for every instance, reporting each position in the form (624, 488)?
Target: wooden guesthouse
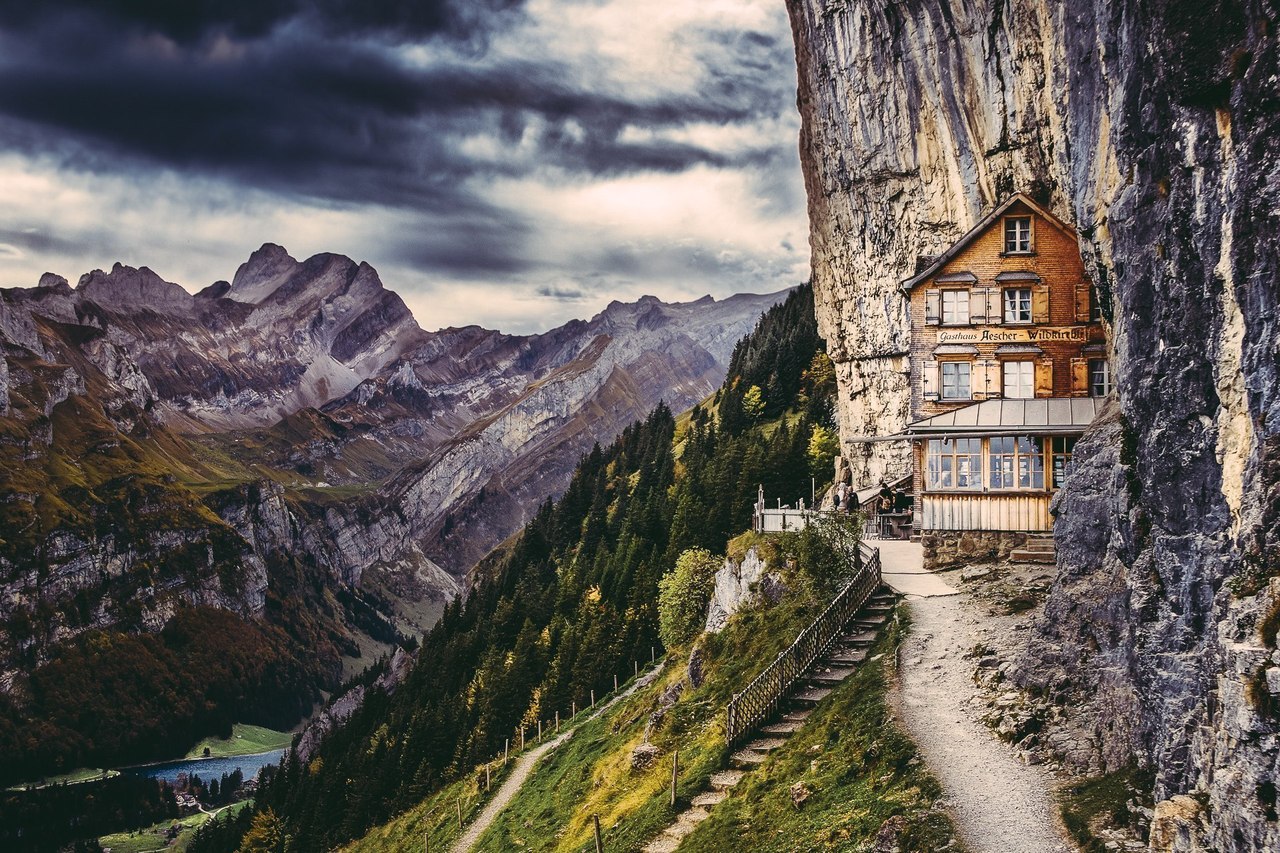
(1008, 362)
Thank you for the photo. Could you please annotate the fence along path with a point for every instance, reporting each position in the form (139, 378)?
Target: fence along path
(760, 699)
(825, 654)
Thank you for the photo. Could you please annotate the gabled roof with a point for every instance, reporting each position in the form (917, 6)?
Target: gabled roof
(1038, 416)
(983, 224)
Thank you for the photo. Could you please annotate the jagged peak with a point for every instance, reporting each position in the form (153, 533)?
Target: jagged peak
(53, 281)
(135, 288)
(264, 271)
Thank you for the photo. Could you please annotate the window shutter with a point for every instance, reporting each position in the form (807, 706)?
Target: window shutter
(978, 306)
(986, 379)
(1084, 302)
(932, 306)
(995, 306)
(995, 379)
(1044, 377)
(1079, 377)
(929, 375)
(1040, 303)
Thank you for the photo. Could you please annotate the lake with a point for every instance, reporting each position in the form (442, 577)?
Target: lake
(207, 768)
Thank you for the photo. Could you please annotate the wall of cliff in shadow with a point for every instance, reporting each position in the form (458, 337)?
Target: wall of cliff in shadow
(1153, 128)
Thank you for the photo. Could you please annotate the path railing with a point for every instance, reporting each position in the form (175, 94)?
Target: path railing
(761, 698)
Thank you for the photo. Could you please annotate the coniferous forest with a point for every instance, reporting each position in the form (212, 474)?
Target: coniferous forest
(572, 602)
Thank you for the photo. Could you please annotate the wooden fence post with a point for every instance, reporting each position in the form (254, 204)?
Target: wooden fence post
(505, 750)
(557, 722)
(615, 682)
(487, 780)
(539, 731)
(459, 812)
(595, 820)
(522, 737)
(636, 665)
(593, 698)
(675, 772)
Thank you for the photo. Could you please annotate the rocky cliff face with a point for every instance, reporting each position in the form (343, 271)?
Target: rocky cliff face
(1152, 127)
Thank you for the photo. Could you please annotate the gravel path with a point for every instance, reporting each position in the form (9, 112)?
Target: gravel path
(1000, 805)
(526, 764)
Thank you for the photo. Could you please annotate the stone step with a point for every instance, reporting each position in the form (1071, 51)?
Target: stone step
(783, 729)
(726, 780)
(845, 657)
(1018, 555)
(662, 844)
(766, 745)
(686, 823)
(710, 799)
(746, 759)
(811, 696)
(867, 624)
(797, 715)
(876, 607)
(1038, 545)
(827, 676)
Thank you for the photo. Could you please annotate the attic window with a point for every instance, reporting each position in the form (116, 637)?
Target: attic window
(1017, 235)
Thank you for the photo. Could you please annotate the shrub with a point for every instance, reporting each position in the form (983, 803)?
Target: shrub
(683, 594)
(826, 553)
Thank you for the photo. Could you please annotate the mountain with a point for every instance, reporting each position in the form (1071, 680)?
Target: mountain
(1151, 127)
(571, 603)
(293, 448)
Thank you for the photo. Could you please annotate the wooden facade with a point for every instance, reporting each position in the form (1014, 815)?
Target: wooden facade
(1006, 313)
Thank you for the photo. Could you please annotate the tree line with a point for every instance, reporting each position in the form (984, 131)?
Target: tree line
(571, 604)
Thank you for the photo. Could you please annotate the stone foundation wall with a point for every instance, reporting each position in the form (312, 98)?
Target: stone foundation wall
(945, 548)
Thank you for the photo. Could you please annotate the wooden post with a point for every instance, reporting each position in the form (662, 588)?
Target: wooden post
(557, 722)
(459, 812)
(426, 842)
(506, 749)
(636, 664)
(522, 737)
(675, 772)
(574, 712)
(593, 698)
(653, 655)
(595, 820)
(539, 731)
(487, 780)
(615, 682)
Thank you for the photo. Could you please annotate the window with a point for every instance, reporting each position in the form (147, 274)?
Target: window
(955, 307)
(1017, 305)
(1017, 235)
(1099, 377)
(1062, 450)
(954, 464)
(1019, 380)
(1095, 305)
(956, 379)
(1016, 463)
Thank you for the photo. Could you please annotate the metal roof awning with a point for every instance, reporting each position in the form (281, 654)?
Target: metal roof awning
(1040, 416)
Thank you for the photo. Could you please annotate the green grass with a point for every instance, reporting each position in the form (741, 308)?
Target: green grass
(1101, 802)
(435, 817)
(82, 774)
(860, 769)
(155, 837)
(244, 740)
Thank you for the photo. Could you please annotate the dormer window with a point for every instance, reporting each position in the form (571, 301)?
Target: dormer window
(1017, 235)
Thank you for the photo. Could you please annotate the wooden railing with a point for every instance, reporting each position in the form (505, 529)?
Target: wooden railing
(761, 698)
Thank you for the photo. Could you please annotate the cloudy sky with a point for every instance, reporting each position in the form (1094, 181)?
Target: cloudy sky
(508, 163)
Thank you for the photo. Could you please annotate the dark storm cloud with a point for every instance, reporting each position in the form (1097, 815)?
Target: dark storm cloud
(347, 105)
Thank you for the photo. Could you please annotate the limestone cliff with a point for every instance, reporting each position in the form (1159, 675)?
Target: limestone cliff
(1153, 128)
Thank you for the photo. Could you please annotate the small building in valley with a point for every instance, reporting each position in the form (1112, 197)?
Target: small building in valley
(1008, 366)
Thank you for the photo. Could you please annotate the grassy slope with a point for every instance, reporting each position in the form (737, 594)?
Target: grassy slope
(864, 773)
(154, 837)
(244, 740)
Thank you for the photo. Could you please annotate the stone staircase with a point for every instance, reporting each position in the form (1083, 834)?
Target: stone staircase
(840, 662)
(1037, 549)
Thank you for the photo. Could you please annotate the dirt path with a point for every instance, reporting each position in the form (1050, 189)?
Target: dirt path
(1000, 804)
(526, 764)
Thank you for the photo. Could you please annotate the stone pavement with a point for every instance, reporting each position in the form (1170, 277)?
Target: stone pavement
(902, 566)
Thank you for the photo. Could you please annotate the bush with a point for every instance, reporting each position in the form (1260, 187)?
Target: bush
(683, 594)
(826, 553)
